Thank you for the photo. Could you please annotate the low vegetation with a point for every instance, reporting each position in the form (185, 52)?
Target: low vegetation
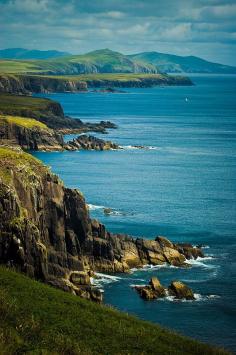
(108, 76)
(15, 159)
(22, 122)
(37, 319)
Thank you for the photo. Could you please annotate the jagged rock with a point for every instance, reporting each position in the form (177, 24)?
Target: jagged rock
(80, 278)
(173, 256)
(189, 251)
(164, 242)
(157, 287)
(26, 84)
(46, 230)
(180, 290)
(85, 142)
(33, 138)
(146, 292)
(152, 291)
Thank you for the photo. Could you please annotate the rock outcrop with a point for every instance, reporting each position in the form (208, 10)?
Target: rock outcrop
(180, 291)
(155, 290)
(46, 230)
(152, 291)
(85, 142)
(14, 131)
(48, 112)
(27, 84)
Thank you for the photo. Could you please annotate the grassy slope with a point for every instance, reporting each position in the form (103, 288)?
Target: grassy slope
(22, 122)
(105, 60)
(23, 163)
(106, 76)
(13, 103)
(17, 66)
(37, 319)
(169, 62)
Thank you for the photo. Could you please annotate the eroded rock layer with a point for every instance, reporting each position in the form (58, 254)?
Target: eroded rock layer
(46, 231)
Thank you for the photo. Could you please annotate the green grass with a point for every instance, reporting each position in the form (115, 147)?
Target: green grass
(22, 122)
(13, 103)
(37, 319)
(106, 76)
(23, 163)
(17, 66)
(104, 60)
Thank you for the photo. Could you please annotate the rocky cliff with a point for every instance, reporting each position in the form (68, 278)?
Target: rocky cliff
(29, 134)
(46, 231)
(24, 84)
(27, 84)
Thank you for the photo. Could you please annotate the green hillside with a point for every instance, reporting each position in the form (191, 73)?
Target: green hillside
(101, 61)
(177, 64)
(38, 319)
(22, 53)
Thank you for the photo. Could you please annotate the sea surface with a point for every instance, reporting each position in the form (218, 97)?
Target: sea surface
(183, 186)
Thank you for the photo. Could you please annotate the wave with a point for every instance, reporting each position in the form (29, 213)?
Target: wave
(95, 207)
(198, 298)
(110, 213)
(103, 279)
(199, 262)
(134, 147)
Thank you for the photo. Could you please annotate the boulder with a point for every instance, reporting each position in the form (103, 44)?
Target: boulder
(80, 278)
(181, 291)
(164, 242)
(189, 251)
(152, 291)
(173, 256)
(146, 292)
(157, 287)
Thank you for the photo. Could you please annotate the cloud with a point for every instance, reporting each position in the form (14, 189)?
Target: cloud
(205, 28)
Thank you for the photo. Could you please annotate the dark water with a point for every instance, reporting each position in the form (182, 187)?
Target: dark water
(183, 188)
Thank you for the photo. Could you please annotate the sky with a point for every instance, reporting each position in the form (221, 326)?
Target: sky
(204, 28)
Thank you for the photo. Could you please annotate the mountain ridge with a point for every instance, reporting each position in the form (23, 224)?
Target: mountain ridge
(182, 64)
(107, 61)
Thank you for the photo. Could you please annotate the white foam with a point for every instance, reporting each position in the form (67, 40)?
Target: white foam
(145, 147)
(198, 298)
(95, 207)
(99, 275)
(200, 262)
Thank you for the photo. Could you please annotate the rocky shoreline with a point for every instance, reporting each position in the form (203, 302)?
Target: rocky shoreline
(46, 230)
(28, 84)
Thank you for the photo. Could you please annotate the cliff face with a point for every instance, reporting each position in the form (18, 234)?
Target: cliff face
(46, 231)
(27, 84)
(23, 84)
(33, 138)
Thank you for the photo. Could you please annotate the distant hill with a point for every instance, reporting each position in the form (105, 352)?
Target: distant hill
(22, 53)
(178, 64)
(100, 61)
(17, 60)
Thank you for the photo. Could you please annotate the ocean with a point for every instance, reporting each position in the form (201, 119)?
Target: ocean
(183, 186)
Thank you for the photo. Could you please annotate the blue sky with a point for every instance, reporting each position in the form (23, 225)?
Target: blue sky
(206, 28)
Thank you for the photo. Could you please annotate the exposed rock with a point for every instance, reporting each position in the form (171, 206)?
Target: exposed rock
(152, 291)
(27, 84)
(155, 290)
(46, 230)
(80, 278)
(189, 251)
(157, 287)
(107, 211)
(33, 138)
(85, 142)
(180, 290)
(109, 90)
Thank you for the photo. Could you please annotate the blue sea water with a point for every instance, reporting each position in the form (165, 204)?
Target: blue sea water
(183, 188)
